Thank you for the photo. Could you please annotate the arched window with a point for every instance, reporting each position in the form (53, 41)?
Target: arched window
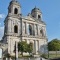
(15, 11)
(15, 29)
(39, 16)
(30, 29)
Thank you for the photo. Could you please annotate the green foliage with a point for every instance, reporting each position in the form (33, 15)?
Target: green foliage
(44, 56)
(30, 47)
(24, 47)
(54, 45)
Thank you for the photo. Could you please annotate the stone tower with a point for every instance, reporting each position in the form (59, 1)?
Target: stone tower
(36, 13)
(12, 26)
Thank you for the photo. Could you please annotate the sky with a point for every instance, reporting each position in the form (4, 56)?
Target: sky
(50, 12)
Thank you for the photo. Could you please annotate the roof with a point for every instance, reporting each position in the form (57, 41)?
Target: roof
(30, 18)
(35, 10)
(14, 2)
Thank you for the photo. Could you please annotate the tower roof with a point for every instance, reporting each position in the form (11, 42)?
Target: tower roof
(14, 2)
(36, 9)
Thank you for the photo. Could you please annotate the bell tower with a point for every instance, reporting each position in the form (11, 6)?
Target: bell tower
(36, 13)
(14, 8)
(12, 25)
(12, 21)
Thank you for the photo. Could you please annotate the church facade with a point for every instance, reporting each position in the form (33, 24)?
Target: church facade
(19, 28)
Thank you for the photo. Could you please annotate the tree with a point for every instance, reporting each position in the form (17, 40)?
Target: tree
(25, 47)
(30, 48)
(54, 45)
(22, 47)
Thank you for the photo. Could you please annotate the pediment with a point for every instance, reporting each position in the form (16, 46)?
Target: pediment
(28, 18)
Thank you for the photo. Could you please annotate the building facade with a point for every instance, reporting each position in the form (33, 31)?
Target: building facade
(19, 28)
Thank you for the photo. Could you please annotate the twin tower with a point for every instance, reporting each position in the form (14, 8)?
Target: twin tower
(19, 28)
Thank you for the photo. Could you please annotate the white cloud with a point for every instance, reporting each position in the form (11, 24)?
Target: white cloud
(2, 16)
(1, 32)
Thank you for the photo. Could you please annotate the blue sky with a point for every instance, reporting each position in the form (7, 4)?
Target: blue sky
(50, 11)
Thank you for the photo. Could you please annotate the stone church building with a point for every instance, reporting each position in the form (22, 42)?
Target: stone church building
(30, 28)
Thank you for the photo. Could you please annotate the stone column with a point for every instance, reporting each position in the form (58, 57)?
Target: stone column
(33, 30)
(34, 46)
(2, 53)
(38, 46)
(38, 31)
(26, 27)
(16, 50)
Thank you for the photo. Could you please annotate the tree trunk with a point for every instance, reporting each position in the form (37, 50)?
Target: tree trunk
(22, 54)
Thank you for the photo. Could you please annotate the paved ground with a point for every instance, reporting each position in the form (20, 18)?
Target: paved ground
(55, 59)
